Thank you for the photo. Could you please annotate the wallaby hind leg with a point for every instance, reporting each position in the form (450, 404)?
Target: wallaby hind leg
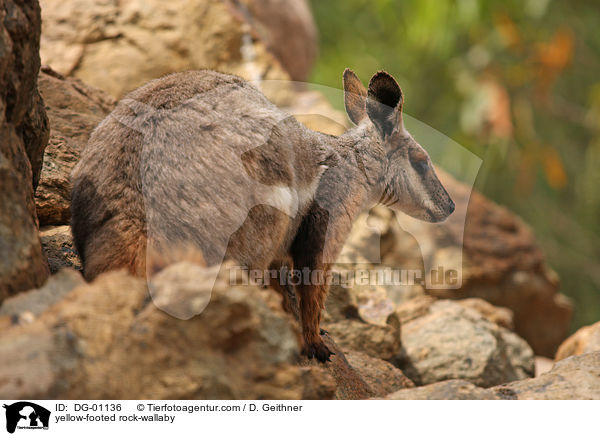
(281, 283)
(312, 300)
(308, 312)
(307, 252)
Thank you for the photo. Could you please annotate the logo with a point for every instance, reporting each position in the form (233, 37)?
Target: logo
(26, 415)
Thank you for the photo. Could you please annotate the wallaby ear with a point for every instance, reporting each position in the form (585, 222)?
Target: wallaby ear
(384, 103)
(355, 96)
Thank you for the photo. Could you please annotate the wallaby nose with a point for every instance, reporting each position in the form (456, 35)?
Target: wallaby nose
(451, 207)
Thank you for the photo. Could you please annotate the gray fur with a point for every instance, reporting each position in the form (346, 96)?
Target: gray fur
(202, 158)
(183, 159)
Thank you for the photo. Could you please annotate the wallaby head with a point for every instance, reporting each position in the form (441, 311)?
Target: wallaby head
(409, 182)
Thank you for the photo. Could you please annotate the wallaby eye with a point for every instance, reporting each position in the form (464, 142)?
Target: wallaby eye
(420, 165)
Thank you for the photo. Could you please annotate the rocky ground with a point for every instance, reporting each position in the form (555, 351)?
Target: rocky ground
(64, 338)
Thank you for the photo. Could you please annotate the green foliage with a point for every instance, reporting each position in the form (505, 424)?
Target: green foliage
(517, 83)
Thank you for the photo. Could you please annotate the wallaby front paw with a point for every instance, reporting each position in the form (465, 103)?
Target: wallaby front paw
(318, 350)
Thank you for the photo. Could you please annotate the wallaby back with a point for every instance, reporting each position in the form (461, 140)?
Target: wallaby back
(195, 158)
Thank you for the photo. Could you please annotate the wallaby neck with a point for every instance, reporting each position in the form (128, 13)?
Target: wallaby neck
(361, 165)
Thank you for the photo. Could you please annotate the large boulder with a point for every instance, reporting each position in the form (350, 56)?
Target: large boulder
(584, 340)
(575, 378)
(23, 136)
(456, 342)
(108, 340)
(139, 40)
(74, 109)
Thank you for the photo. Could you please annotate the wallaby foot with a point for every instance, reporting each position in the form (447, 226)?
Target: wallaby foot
(318, 349)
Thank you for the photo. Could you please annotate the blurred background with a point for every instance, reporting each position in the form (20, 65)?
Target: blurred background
(515, 82)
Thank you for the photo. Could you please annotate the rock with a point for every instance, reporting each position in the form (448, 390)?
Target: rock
(414, 308)
(584, 340)
(35, 133)
(403, 293)
(36, 301)
(373, 304)
(359, 376)
(498, 315)
(265, 42)
(378, 341)
(242, 346)
(446, 390)
(349, 383)
(139, 40)
(419, 306)
(573, 378)
(542, 365)
(340, 304)
(360, 288)
(287, 29)
(74, 110)
(317, 383)
(352, 319)
(23, 125)
(57, 244)
(382, 377)
(455, 342)
(22, 264)
(23, 136)
(368, 303)
(362, 247)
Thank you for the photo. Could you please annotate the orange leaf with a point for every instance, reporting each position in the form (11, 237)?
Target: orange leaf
(554, 170)
(557, 53)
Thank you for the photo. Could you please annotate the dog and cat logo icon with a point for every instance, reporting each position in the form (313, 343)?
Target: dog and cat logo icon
(26, 415)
